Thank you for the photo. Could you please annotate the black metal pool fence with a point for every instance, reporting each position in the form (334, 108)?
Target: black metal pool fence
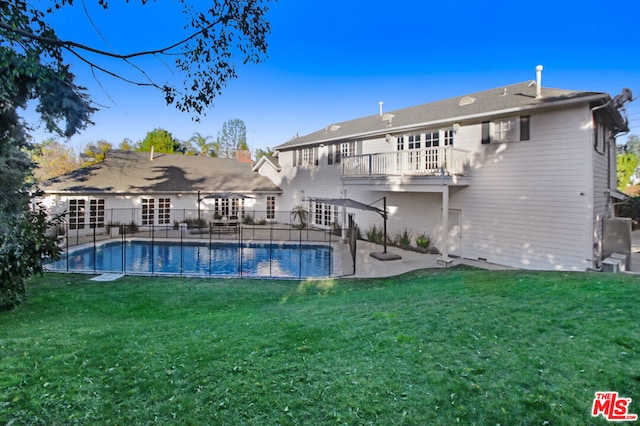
(190, 226)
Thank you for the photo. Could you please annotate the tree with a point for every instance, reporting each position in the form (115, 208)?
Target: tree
(218, 35)
(161, 141)
(53, 159)
(202, 146)
(633, 145)
(232, 137)
(126, 145)
(626, 165)
(262, 152)
(95, 153)
(300, 214)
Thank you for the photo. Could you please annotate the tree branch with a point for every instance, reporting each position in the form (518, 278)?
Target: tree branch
(69, 45)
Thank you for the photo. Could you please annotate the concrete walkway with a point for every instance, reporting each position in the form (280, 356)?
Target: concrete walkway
(635, 251)
(368, 267)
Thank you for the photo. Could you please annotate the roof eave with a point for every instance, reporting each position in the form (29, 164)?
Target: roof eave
(469, 117)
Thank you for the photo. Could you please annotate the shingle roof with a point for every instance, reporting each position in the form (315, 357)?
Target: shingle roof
(133, 172)
(519, 95)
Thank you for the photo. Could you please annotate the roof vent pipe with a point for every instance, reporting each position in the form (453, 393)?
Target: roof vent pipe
(538, 81)
(151, 154)
(380, 103)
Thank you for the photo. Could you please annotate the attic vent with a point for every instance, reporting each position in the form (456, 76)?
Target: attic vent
(388, 117)
(334, 127)
(466, 100)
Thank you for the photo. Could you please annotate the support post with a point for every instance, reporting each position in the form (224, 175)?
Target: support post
(444, 235)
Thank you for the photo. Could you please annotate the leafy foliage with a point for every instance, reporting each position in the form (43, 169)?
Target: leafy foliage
(262, 152)
(161, 141)
(375, 234)
(300, 214)
(53, 159)
(26, 239)
(95, 153)
(219, 35)
(626, 166)
(201, 145)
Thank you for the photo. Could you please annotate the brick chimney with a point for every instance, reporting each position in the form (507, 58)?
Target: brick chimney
(243, 156)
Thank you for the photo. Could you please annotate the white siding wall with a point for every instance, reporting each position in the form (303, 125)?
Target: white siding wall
(529, 203)
(127, 208)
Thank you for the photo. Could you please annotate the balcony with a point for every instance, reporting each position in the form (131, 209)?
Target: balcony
(441, 162)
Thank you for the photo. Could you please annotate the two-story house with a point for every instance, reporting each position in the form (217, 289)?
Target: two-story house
(520, 175)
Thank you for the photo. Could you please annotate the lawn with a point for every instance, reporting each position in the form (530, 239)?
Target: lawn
(429, 347)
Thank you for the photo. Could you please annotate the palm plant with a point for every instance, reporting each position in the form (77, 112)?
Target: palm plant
(300, 214)
(203, 146)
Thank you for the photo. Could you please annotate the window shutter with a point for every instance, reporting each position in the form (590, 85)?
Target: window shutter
(486, 132)
(315, 156)
(524, 128)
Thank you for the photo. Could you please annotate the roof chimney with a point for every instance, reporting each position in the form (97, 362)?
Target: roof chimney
(380, 103)
(243, 156)
(538, 81)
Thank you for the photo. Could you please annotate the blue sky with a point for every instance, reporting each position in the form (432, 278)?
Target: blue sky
(332, 61)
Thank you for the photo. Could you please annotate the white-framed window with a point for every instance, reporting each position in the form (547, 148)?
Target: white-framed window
(164, 211)
(96, 213)
(307, 157)
(324, 214)
(347, 149)
(148, 211)
(414, 141)
(226, 207)
(510, 129)
(447, 137)
(507, 130)
(76, 213)
(400, 143)
(271, 207)
(432, 139)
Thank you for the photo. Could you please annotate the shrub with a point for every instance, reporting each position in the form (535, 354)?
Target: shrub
(261, 221)
(423, 241)
(403, 240)
(375, 235)
(130, 228)
(300, 214)
(195, 223)
(248, 220)
(23, 251)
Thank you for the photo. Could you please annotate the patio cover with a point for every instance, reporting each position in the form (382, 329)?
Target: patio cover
(347, 202)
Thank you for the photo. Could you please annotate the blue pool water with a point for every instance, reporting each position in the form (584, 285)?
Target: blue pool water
(221, 259)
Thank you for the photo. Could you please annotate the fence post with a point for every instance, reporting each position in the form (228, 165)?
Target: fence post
(240, 247)
(94, 249)
(152, 249)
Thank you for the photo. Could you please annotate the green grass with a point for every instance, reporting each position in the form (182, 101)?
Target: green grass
(430, 347)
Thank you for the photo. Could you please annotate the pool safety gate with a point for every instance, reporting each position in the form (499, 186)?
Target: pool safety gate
(341, 241)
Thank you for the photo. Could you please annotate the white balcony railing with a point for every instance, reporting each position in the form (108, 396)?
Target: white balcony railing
(439, 161)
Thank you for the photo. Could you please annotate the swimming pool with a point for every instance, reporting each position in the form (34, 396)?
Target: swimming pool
(195, 258)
